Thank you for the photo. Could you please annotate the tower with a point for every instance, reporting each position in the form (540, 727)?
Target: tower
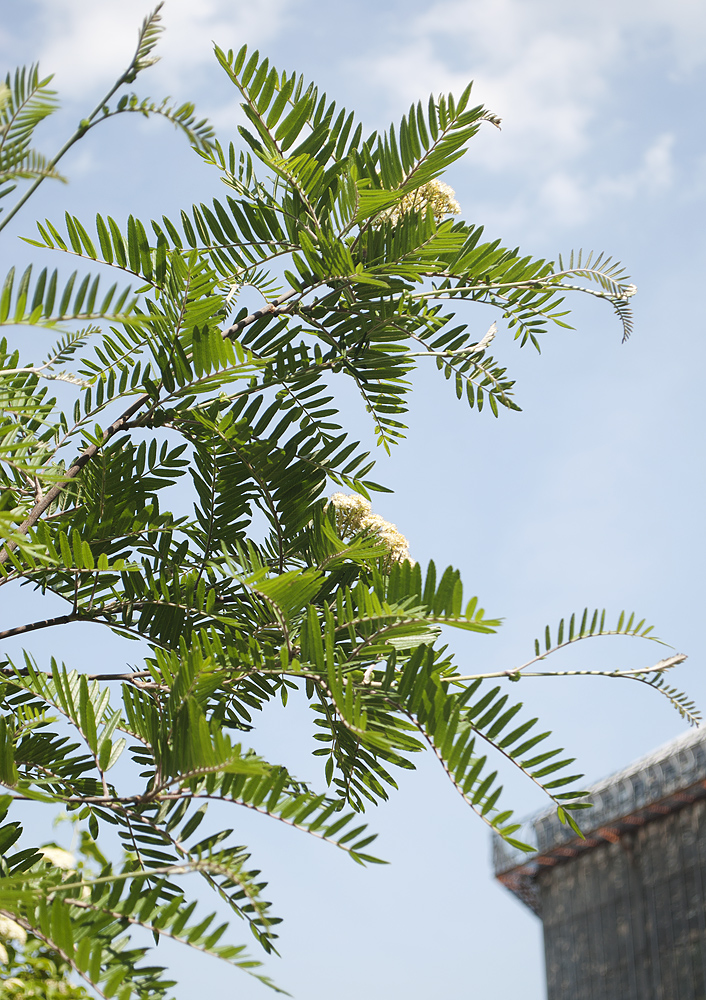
(624, 911)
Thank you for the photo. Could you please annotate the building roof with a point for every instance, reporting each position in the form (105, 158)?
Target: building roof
(663, 781)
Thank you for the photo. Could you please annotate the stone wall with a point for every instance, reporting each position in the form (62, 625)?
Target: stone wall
(627, 920)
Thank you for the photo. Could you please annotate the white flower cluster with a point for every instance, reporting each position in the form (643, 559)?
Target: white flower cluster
(434, 194)
(355, 514)
(10, 931)
(58, 857)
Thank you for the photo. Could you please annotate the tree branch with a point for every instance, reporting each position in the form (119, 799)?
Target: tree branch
(46, 623)
(131, 677)
(275, 308)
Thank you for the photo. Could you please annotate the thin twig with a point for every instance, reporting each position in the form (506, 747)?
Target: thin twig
(45, 623)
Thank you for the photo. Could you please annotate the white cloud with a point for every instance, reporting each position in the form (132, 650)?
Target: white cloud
(565, 79)
(541, 75)
(563, 199)
(568, 198)
(676, 26)
(88, 44)
(558, 75)
(658, 168)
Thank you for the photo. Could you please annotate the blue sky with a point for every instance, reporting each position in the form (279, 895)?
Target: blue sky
(593, 495)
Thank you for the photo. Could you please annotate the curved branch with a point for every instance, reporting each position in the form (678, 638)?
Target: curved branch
(46, 623)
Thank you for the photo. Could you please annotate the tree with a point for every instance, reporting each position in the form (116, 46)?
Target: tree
(348, 241)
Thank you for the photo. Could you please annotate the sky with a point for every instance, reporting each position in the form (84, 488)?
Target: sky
(593, 495)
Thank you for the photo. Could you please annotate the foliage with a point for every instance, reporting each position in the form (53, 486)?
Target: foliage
(35, 972)
(180, 382)
(31, 970)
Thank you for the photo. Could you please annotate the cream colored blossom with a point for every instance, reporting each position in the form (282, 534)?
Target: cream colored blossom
(58, 857)
(351, 511)
(355, 514)
(10, 930)
(434, 194)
